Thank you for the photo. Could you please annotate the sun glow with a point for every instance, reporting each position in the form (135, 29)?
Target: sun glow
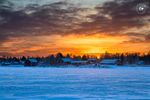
(72, 44)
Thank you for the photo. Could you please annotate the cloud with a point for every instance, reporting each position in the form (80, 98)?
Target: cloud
(147, 38)
(138, 38)
(56, 18)
(5, 54)
(117, 16)
(63, 18)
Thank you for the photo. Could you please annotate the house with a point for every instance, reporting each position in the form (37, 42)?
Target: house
(74, 62)
(79, 62)
(31, 62)
(92, 60)
(67, 60)
(6, 63)
(16, 63)
(109, 62)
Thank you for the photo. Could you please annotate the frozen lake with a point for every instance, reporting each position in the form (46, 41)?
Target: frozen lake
(125, 83)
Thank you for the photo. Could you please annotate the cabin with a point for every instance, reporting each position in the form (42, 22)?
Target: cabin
(31, 62)
(74, 62)
(5, 63)
(67, 60)
(79, 62)
(109, 62)
(92, 60)
(16, 63)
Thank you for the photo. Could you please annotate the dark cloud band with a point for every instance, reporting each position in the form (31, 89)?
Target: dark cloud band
(63, 18)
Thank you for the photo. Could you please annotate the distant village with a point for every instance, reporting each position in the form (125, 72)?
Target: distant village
(59, 59)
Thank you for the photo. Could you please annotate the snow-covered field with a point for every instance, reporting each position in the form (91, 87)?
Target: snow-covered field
(127, 83)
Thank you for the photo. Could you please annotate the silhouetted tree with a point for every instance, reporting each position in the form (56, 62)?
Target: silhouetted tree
(68, 56)
(122, 58)
(52, 59)
(23, 58)
(15, 59)
(84, 57)
(59, 57)
(77, 57)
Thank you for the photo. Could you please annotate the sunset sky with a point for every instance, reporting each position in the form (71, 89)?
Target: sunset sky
(43, 27)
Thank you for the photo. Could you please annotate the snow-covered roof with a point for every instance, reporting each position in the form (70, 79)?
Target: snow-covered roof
(92, 59)
(78, 61)
(73, 61)
(33, 60)
(66, 59)
(109, 61)
(6, 63)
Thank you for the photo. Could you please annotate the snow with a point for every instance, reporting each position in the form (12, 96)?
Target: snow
(66, 60)
(118, 83)
(109, 61)
(33, 60)
(69, 60)
(78, 62)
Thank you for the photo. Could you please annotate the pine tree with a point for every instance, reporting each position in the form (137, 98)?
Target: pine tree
(59, 57)
(52, 59)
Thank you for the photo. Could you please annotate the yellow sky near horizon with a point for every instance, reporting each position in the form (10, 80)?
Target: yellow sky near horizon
(73, 44)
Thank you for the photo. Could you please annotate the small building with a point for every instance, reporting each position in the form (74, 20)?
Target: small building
(6, 63)
(109, 62)
(92, 60)
(16, 63)
(31, 62)
(67, 60)
(74, 62)
(140, 63)
(79, 62)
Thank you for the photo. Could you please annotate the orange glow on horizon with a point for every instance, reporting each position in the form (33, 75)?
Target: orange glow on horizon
(73, 44)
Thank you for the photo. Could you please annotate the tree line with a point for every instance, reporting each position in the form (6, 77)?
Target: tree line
(124, 58)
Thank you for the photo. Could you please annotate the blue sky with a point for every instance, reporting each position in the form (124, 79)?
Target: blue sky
(84, 3)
